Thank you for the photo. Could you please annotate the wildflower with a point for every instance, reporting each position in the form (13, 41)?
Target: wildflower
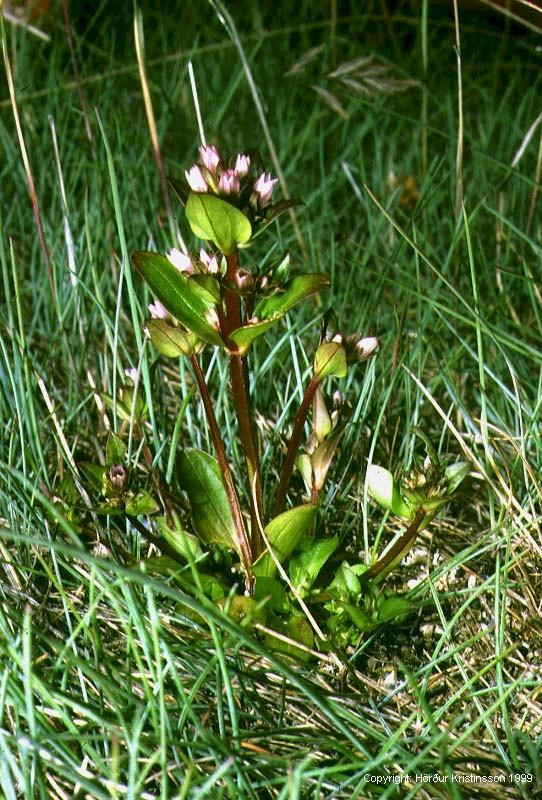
(210, 262)
(365, 347)
(132, 374)
(117, 476)
(242, 165)
(229, 182)
(158, 311)
(210, 158)
(180, 260)
(195, 179)
(244, 281)
(264, 188)
(211, 315)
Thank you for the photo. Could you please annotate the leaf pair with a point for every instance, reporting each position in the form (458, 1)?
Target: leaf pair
(269, 310)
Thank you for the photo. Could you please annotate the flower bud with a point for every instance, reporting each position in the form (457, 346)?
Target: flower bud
(210, 157)
(180, 261)
(210, 262)
(195, 179)
(366, 347)
(360, 348)
(229, 183)
(385, 490)
(303, 463)
(337, 399)
(264, 188)
(322, 457)
(132, 374)
(244, 281)
(117, 476)
(242, 165)
(330, 359)
(158, 311)
(321, 421)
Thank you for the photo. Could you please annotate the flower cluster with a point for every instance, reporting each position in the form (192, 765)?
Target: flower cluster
(230, 179)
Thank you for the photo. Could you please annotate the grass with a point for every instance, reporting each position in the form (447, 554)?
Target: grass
(108, 688)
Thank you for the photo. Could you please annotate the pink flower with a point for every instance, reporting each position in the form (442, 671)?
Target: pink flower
(195, 179)
(264, 188)
(366, 347)
(180, 260)
(229, 182)
(158, 311)
(210, 158)
(242, 165)
(210, 262)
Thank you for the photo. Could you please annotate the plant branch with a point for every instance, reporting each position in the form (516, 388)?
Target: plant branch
(395, 553)
(293, 445)
(241, 403)
(227, 479)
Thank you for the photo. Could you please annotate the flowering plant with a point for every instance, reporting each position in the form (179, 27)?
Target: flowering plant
(270, 539)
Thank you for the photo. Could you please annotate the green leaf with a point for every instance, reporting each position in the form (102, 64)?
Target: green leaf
(115, 450)
(184, 543)
(67, 490)
(141, 503)
(209, 283)
(394, 606)
(125, 400)
(113, 508)
(296, 628)
(243, 337)
(200, 477)
(383, 488)
(294, 291)
(284, 534)
(170, 341)
(330, 359)
(305, 567)
(243, 610)
(162, 565)
(218, 221)
(455, 474)
(273, 591)
(96, 475)
(191, 304)
(346, 583)
(359, 617)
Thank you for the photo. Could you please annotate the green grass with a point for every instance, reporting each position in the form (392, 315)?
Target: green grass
(108, 688)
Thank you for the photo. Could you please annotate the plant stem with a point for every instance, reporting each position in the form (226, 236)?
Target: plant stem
(396, 553)
(241, 404)
(227, 479)
(293, 445)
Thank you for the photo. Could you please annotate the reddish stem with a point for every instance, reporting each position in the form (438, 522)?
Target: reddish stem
(241, 403)
(293, 445)
(242, 538)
